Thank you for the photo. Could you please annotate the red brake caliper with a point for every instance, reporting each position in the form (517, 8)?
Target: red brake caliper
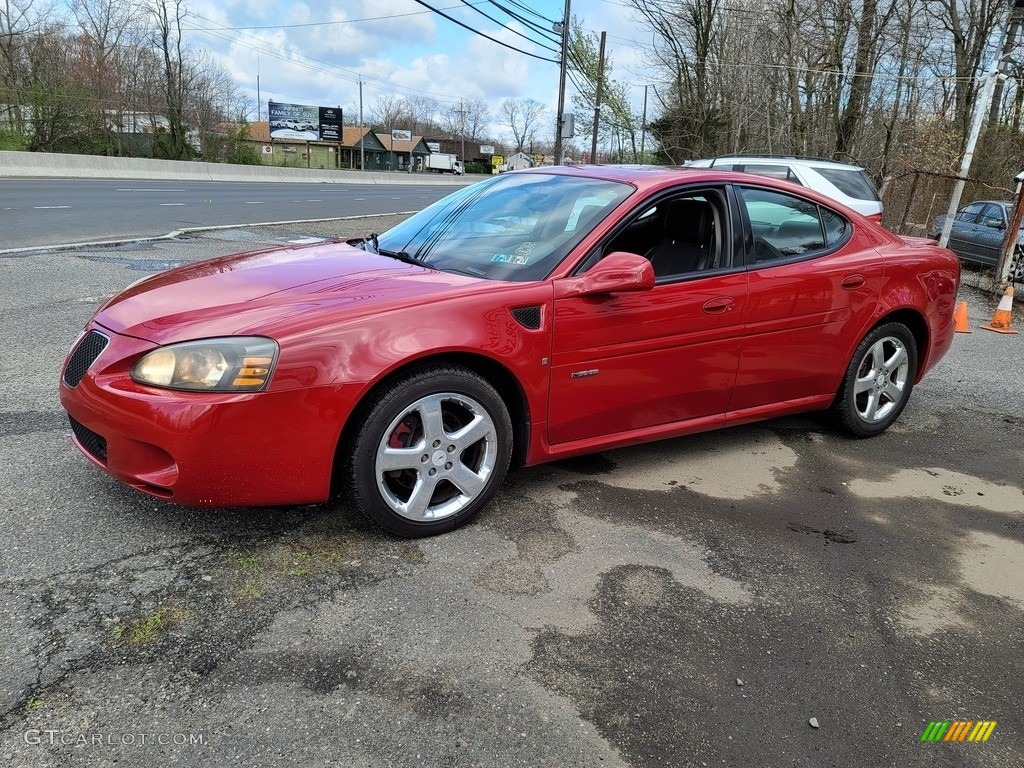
(400, 437)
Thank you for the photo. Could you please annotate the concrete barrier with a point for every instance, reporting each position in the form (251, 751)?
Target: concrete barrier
(44, 165)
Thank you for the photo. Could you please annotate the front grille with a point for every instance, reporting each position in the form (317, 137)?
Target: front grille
(93, 443)
(84, 355)
(528, 317)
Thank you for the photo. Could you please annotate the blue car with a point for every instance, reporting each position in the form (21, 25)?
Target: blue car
(979, 230)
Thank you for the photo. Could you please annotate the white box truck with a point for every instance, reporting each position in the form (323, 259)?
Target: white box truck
(442, 163)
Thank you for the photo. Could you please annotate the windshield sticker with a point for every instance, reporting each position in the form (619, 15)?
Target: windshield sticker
(525, 249)
(510, 258)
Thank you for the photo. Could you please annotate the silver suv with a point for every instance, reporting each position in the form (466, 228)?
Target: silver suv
(847, 184)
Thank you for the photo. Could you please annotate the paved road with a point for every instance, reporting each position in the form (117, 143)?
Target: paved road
(690, 603)
(35, 212)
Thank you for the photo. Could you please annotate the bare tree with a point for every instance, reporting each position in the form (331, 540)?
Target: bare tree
(521, 116)
(109, 34)
(389, 112)
(168, 16)
(19, 22)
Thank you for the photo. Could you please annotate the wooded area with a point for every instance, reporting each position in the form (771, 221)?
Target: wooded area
(887, 84)
(113, 78)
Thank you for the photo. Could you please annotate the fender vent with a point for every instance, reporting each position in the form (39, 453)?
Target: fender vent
(528, 317)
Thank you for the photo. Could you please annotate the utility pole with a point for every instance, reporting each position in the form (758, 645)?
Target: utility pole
(462, 129)
(1010, 248)
(981, 107)
(597, 101)
(564, 28)
(643, 128)
(362, 132)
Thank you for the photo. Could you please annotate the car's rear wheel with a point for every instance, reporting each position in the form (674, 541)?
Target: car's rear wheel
(433, 449)
(878, 380)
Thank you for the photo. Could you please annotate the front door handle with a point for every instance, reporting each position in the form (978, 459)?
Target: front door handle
(719, 305)
(853, 281)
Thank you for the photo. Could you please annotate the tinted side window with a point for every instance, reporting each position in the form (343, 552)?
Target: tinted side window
(969, 214)
(992, 216)
(771, 171)
(854, 183)
(783, 225)
(836, 226)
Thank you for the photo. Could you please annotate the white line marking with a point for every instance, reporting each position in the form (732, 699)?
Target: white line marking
(150, 190)
(254, 202)
(314, 201)
(358, 198)
(396, 198)
(49, 207)
(171, 203)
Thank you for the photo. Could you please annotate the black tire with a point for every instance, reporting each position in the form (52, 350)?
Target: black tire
(878, 381)
(448, 478)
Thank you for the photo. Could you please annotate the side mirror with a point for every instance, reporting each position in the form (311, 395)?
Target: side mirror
(618, 272)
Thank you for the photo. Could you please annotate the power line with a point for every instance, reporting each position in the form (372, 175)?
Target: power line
(333, 70)
(510, 29)
(481, 34)
(546, 32)
(350, 21)
(530, 10)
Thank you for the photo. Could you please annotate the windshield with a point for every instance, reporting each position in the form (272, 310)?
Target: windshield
(513, 227)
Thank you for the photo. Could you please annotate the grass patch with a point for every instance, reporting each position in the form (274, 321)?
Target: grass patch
(248, 563)
(249, 590)
(147, 629)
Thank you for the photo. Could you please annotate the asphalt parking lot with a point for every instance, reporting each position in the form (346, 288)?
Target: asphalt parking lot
(695, 602)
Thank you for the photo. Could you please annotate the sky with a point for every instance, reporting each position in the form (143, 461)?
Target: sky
(316, 53)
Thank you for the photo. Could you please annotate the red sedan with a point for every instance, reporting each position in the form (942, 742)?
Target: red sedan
(530, 317)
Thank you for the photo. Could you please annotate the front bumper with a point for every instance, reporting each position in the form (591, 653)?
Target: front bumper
(205, 449)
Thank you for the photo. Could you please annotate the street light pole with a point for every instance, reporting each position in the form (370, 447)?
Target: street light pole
(559, 120)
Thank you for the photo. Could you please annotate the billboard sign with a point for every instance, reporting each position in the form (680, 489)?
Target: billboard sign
(434, 146)
(397, 135)
(330, 123)
(294, 121)
(486, 149)
(304, 122)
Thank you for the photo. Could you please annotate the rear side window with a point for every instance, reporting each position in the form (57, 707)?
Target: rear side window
(783, 225)
(781, 172)
(835, 227)
(852, 183)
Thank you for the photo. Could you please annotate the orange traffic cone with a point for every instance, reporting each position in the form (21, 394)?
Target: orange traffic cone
(1003, 315)
(960, 318)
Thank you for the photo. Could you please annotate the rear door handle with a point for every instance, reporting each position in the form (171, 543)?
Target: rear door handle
(719, 305)
(853, 281)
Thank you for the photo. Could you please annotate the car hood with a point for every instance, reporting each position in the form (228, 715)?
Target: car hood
(267, 292)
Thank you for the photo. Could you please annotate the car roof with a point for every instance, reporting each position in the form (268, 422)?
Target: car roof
(782, 160)
(649, 178)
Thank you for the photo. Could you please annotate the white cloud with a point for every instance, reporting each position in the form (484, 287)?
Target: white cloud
(408, 52)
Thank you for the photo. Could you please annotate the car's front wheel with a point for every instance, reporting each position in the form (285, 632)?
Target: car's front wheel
(878, 380)
(432, 450)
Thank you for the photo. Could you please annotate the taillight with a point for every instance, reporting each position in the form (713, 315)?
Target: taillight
(875, 217)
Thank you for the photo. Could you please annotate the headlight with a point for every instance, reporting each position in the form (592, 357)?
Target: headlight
(231, 364)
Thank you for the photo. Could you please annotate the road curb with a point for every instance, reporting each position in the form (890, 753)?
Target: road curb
(187, 231)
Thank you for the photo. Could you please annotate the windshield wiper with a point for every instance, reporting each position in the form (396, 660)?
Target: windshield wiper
(402, 256)
(371, 244)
